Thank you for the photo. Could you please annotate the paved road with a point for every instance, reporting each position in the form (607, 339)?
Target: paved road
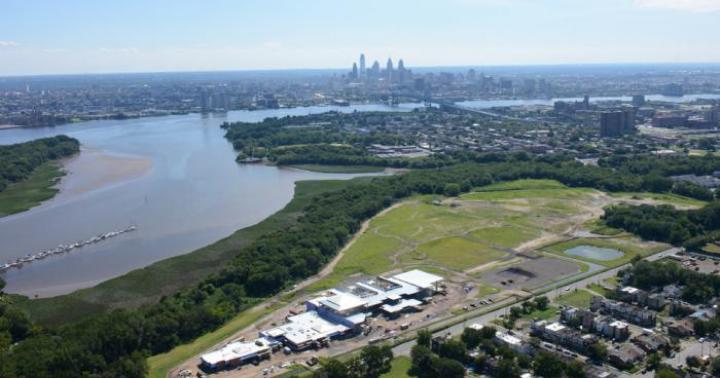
(404, 349)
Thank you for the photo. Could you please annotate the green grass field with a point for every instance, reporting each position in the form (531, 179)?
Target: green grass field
(165, 277)
(400, 366)
(459, 233)
(505, 236)
(577, 298)
(339, 168)
(455, 253)
(29, 193)
(628, 246)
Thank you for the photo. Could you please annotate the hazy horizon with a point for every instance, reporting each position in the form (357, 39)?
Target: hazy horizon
(46, 37)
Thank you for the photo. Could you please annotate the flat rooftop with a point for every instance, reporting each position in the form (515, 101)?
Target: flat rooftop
(419, 278)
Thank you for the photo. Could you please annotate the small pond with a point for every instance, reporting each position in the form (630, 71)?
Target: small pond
(595, 253)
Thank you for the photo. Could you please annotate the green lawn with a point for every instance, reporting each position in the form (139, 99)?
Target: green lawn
(165, 277)
(29, 193)
(541, 314)
(600, 289)
(160, 364)
(712, 248)
(577, 298)
(400, 366)
(523, 185)
(629, 248)
(505, 236)
(339, 168)
(457, 253)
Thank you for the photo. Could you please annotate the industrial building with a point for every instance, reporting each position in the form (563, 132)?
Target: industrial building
(335, 314)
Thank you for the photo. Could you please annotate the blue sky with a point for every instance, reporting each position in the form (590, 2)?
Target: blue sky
(90, 36)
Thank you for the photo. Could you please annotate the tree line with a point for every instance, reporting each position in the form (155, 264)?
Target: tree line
(18, 161)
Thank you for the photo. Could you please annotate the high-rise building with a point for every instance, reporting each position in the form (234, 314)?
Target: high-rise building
(375, 69)
(205, 100)
(612, 123)
(617, 122)
(354, 73)
(638, 100)
(389, 69)
(401, 72)
(362, 65)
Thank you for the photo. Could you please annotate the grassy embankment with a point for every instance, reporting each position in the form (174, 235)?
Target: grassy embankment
(148, 284)
(459, 233)
(29, 193)
(339, 168)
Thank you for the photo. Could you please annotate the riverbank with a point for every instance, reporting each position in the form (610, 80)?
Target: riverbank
(339, 168)
(39, 187)
(149, 284)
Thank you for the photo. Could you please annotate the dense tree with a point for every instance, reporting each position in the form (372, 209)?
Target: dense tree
(17, 161)
(547, 365)
(424, 337)
(449, 368)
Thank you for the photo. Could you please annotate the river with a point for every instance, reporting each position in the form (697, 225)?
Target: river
(179, 184)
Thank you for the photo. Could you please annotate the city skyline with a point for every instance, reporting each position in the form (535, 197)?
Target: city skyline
(45, 37)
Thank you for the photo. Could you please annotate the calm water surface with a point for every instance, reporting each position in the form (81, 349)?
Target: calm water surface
(595, 253)
(193, 195)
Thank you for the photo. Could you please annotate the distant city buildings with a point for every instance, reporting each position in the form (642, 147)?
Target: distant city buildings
(389, 75)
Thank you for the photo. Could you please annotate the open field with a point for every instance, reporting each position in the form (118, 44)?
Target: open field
(629, 246)
(661, 198)
(577, 298)
(465, 233)
(167, 276)
(29, 193)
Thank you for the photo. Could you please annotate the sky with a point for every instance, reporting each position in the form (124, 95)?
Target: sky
(90, 36)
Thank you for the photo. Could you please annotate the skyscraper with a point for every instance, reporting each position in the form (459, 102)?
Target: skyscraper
(375, 69)
(362, 65)
(354, 73)
(389, 69)
(401, 74)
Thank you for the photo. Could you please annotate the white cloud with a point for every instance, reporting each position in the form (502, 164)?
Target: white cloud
(9, 44)
(684, 5)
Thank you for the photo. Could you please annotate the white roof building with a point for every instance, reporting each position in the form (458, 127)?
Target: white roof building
(306, 327)
(343, 302)
(236, 352)
(420, 279)
(555, 327)
(400, 306)
(629, 290)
